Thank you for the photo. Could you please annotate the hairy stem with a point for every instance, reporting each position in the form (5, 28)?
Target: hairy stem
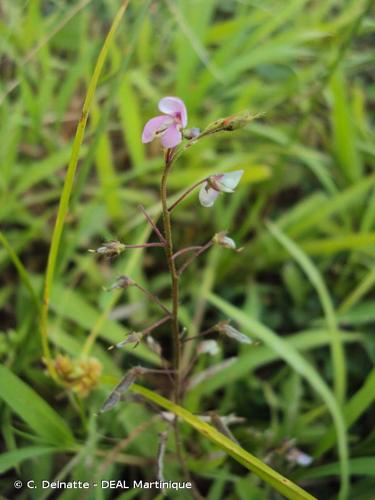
(169, 159)
(172, 272)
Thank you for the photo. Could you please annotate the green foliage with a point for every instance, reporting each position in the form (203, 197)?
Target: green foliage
(304, 212)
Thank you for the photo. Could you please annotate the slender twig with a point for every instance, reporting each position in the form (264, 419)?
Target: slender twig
(193, 257)
(153, 297)
(142, 333)
(152, 223)
(185, 194)
(111, 455)
(145, 245)
(156, 325)
(184, 250)
(202, 334)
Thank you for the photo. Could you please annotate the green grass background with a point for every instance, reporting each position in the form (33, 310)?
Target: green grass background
(304, 211)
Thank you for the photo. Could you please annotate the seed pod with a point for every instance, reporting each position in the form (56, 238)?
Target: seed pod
(134, 338)
(122, 282)
(110, 250)
(121, 388)
(229, 331)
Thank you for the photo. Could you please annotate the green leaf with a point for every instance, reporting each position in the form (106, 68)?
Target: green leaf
(28, 405)
(276, 480)
(299, 364)
(361, 466)
(11, 459)
(338, 355)
(343, 129)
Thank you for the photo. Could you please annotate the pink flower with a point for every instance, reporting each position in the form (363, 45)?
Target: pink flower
(168, 126)
(216, 184)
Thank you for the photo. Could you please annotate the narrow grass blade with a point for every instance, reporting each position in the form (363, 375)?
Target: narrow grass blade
(338, 355)
(300, 365)
(20, 268)
(68, 184)
(28, 405)
(11, 459)
(273, 478)
(359, 403)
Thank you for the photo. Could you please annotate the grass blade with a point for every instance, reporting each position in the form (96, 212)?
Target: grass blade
(68, 184)
(338, 355)
(300, 365)
(24, 401)
(276, 480)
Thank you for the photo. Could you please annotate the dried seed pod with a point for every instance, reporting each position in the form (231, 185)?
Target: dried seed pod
(229, 331)
(163, 436)
(134, 338)
(122, 282)
(121, 388)
(111, 249)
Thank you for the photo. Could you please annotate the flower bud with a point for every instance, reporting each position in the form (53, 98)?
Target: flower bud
(224, 241)
(111, 249)
(191, 133)
(238, 120)
(230, 123)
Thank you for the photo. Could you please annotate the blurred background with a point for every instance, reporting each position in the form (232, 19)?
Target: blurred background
(308, 67)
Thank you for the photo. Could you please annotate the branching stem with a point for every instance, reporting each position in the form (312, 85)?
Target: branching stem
(196, 254)
(185, 194)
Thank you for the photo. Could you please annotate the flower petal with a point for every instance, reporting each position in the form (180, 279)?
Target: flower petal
(230, 181)
(207, 197)
(173, 106)
(172, 136)
(154, 126)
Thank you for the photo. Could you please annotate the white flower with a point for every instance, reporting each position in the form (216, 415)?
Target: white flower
(219, 183)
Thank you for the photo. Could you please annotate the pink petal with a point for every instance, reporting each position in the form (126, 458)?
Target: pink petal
(154, 126)
(207, 197)
(175, 107)
(171, 137)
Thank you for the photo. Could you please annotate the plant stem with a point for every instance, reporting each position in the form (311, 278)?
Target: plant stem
(196, 254)
(153, 297)
(173, 273)
(145, 245)
(185, 194)
(169, 159)
(187, 249)
(152, 223)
